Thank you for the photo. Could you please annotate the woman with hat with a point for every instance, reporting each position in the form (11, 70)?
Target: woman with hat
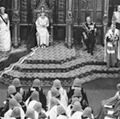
(39, 112)
(52, 112)
(19, 99)
(10, 94)
(87, 113)
(16, 82)
(77, 111)
(5, 38)
(53, 92)
(12, 104)
(61, 113)
(77, 84)
(42, 33)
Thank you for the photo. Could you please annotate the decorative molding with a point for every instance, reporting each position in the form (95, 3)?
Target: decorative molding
(16, 16)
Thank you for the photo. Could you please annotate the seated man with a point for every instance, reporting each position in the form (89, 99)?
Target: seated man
(42, 33)
(89, 34)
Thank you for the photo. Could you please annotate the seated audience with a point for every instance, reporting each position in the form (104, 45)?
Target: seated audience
(59, 92)
(16, 114)
(77, 84)
(77, 111)
(16, 82)
(10, 94)
(33, 99)
(61, 113)
(39, 112)
(87, 113)
(19, 99)
(52, 112)
(37, 86)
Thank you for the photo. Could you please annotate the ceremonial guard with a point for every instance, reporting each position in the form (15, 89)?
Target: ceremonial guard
(89, 34)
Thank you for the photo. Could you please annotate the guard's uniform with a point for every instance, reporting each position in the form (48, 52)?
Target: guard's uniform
(89, 34)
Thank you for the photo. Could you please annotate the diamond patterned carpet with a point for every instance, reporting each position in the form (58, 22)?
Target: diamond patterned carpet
(59, 62)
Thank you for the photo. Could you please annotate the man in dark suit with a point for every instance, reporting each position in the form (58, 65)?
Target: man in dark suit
(89, 34)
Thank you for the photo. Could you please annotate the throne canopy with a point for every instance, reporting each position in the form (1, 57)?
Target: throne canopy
(41, 7)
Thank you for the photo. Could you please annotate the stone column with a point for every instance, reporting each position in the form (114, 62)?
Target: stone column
(69, 22)
(16, 23)
(51, 28)
(105, 17)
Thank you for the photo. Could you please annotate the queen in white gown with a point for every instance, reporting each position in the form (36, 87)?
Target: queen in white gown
(5, 38)
(42, 33)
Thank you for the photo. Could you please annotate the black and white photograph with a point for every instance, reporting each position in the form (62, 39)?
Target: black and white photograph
(59, 59)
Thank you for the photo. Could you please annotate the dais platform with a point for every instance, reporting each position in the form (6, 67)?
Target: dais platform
(59, 62)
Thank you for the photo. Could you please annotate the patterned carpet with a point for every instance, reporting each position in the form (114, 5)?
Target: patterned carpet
(59, 62)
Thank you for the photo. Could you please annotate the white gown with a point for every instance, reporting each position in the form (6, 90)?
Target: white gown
(5, 38)
(42, 32)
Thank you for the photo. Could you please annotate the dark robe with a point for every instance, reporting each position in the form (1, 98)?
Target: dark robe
(42, 97)
(84, 101)
(31, 40)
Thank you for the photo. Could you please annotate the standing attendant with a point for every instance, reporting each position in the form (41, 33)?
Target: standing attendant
(111, 46)
(5, 40)
(42, 33)
(89, 34)
(116, 19)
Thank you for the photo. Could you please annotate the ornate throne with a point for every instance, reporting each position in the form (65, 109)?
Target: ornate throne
(42, 6)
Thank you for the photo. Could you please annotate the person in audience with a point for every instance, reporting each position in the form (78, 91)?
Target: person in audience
(12, 104)
(77, 84)
(53, 92)
(37, 86)
(61, 113)
(10, 94)
(42, 34)
(70, 106)
(5, 37)
(16, 82)
(62, 91)
(111, 46)
(30, 114)
(116, 20)
(19, 99)
(87, 113)
(110, 106)
(89, 34)
(52, 112)
(33, 99)
(39, 112)
(16, 114)
(77, 111)
(59, 92)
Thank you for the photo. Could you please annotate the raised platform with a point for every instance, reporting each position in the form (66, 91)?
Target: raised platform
(59, 62)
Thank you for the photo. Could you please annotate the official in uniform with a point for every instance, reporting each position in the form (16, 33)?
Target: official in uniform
(89, 34)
